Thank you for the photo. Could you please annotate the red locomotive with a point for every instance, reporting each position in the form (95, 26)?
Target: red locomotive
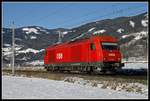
(94, 54)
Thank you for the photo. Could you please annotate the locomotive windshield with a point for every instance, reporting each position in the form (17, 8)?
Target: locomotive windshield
(109, 46)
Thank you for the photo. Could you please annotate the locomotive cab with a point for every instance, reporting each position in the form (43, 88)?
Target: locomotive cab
(111, 53)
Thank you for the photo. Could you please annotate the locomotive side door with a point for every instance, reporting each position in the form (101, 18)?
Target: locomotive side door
(92, 52)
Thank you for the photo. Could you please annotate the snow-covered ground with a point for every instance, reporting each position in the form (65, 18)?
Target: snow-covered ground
(111, 84)
(30, 50)
(36, 88)
(132, 23)
(99, 31)
(36, 62)
(135, 66)
(137, 36)
(120, 30)
(30, 30)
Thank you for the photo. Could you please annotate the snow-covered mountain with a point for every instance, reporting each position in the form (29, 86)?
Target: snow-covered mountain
(31, 41)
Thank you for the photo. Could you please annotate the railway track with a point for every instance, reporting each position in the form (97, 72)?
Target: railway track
(120, 76)
(120, 72)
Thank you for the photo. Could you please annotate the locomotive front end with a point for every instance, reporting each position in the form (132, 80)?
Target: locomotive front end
(111, 53)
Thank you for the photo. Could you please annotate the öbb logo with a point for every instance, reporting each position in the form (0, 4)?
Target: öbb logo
(59, 56)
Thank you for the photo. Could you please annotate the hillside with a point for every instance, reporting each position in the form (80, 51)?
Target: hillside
(31, 41)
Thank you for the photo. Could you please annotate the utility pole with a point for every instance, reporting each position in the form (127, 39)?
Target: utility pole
(60, 36)
(2, 48)
(13, 49)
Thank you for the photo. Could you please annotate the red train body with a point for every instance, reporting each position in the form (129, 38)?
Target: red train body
(92, 54)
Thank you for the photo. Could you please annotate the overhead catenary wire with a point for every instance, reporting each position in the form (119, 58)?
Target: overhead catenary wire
(117, 24)
(117, 12)
(59, 10)
(84, 15)
(105, 15)
(56, 11)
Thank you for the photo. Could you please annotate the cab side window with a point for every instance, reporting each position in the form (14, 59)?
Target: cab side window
(92, 46)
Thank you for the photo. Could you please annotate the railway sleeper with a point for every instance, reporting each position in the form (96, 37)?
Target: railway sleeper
(68, 68)
(88, 69)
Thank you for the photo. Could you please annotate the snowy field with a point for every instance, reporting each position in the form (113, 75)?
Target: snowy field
(135, 66)
(37, 88)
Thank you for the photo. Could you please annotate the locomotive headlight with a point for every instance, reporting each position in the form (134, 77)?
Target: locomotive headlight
(104, 58)
(118, 58)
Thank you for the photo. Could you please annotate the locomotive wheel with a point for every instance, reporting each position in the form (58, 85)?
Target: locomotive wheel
(103, 71)
(47, 68)
(90, 71)
(113, 71)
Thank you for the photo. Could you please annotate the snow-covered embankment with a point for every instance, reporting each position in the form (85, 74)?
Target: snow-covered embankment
(23, 87)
